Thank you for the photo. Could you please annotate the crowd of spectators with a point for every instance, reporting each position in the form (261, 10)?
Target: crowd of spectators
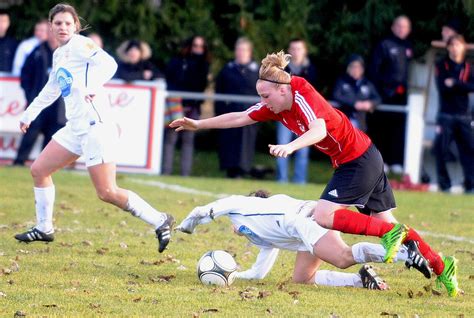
(357, 92)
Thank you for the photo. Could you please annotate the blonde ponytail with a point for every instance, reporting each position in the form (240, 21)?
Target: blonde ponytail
(273, 68)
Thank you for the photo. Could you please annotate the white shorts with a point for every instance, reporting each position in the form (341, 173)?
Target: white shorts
(307, 230)
(98, 145)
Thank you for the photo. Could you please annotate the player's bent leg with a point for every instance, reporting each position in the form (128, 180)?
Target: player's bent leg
(323, 213)
(51, 159)
(306, 265)
(333, 250)
(104, 179)
(386, 216)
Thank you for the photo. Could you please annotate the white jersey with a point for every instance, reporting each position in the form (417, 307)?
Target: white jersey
(266, 222)
(80, 68)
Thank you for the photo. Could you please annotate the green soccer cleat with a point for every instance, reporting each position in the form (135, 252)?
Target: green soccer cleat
(449, 276)
(392, 240)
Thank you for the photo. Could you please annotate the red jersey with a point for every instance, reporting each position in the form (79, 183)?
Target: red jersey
(343, 142)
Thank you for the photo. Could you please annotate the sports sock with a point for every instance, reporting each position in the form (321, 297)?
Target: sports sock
(351, 222)
(369, 252)
(141, 209)
(436, 262)
(333, 278)
(44, 203)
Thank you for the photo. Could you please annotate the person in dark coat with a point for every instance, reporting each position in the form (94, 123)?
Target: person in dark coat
(355, 94)
(186, 72)
(134, 63)
(455, 80)
(237, 145)
(389, 73)
(34, 75)
(8, 44)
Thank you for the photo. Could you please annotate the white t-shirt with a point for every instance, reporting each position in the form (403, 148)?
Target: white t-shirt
(80, 68)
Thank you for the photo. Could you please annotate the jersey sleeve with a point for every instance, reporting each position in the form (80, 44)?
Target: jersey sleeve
(101, 67)
(46, 97)
(262, 266)
(260, 112)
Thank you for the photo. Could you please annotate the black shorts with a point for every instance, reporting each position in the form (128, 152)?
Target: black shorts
(362, 183)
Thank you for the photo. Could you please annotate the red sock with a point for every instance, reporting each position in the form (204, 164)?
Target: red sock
(432, 256)
(351, 222)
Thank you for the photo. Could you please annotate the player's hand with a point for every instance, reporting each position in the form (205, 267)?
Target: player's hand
(185, 123)
(24, 127)
(89, 98)
(282, 151)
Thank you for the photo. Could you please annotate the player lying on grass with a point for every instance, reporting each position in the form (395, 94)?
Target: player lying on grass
(282, 222)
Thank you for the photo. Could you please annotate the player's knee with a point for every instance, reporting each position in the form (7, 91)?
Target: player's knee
(323, 218)
(107, 194)
(36, 171)
(300, 279)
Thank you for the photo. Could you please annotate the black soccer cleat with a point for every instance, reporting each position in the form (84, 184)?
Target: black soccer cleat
(34, 234)
(163, 233)
(370, 279)
(416, 260)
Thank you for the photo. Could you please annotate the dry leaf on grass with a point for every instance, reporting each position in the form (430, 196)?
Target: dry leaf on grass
(123, 245)
(269, 311)
(94, 306)
(87, 243)
(263, 294)
(102, 250)
(2, 294)
(294, 294)
(19, 313)
(161, 278)
(136, 300)
(210, 310)
(50, 306)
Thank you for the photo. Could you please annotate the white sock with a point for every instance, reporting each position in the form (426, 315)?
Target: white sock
(44, 203)
(333, 278)
(368, 252)
(141, 209)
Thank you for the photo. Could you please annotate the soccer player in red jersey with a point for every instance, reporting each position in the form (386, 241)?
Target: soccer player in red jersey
(358, 180)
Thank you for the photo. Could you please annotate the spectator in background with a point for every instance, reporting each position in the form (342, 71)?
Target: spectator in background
(7, 44)
(237, 145)
(34, 76)
(389, 73)
(455, 80)
(97, 39)
(27, 46)
(449, 29)
(355, 94)
(186, 72)
(134, 63)
(300, 65)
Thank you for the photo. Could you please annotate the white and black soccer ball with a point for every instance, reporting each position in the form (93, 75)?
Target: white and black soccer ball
(217, 268)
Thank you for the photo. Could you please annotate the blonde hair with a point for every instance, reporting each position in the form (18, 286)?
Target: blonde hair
(273, 68)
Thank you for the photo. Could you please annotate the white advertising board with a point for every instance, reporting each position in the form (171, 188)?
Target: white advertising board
(136, 108)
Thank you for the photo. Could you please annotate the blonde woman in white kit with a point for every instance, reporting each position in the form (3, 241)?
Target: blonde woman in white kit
(80, 69)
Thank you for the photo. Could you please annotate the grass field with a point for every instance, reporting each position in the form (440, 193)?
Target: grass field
(104, 262)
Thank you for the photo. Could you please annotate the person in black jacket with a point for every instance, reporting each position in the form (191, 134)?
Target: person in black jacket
(186, 72)
(389, 73)
(237, 145)
(8, 44)
(355, 94)
(455, 80)
(134, 63)
(34, 75)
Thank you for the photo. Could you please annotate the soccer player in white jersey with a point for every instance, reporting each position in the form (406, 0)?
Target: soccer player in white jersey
(80, 69)
(282, 222)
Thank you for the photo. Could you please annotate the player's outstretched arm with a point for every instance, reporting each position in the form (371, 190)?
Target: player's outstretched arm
(229, 120)
(262, 266)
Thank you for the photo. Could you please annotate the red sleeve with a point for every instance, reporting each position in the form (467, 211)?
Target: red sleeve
(260, 112)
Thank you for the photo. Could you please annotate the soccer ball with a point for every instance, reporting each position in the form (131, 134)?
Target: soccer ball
(216, 268)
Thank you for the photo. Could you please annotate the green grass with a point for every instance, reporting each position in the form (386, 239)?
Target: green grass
(105, 263)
